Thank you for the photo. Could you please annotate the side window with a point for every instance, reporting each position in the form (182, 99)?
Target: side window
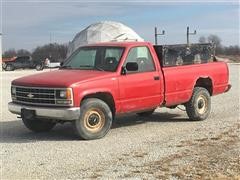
(19, 60)
(111, 58)
(113, 53)
(142, 57)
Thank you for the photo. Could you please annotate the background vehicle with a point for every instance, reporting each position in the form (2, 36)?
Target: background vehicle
(21, 62)
(98, 82)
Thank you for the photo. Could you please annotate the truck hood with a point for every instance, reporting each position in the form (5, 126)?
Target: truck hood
(60, 78)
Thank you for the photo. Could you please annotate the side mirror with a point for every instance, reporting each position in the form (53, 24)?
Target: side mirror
(132, 66)
(61, 64)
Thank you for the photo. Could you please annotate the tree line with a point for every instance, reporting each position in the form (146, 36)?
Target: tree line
(58, 52)
(55, 52)
(220, 49)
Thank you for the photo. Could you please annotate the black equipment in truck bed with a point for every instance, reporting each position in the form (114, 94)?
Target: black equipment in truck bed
(182, 54)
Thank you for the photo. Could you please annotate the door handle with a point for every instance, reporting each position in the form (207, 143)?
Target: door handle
(156, 78)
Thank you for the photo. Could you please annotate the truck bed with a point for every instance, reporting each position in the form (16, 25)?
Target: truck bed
(183, 54)
(183, 65)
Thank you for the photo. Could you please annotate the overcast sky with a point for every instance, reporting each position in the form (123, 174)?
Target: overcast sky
(27, 24)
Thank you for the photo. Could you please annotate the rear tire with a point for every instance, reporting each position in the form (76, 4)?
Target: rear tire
(146, 113)
(37, 125)
(199, 106)
(95, 119)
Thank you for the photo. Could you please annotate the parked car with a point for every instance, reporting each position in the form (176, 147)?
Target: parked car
(101, 81)
(5, 60)
(21, 62)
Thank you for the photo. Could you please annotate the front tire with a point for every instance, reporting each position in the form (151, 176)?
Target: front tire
(38, 125)
(199, 106)
(9, 67)
(95, 119)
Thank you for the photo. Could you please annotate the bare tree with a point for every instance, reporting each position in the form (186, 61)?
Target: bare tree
(55, 52)
(202, 39)
(214, 39)
(232, 50)
(217, 42)
(23, 52)
(9, 53)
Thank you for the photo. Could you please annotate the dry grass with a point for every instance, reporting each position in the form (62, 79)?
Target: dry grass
(232, 58)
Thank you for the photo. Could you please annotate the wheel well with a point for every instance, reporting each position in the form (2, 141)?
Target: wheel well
(104, 96)
(205, 83)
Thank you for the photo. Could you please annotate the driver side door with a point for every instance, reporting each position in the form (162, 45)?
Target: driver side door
(140, 89)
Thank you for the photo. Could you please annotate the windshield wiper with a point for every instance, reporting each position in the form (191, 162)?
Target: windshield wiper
(92, 67)
(99, 68)
(83, 66)
(66, 67)
(86, 66)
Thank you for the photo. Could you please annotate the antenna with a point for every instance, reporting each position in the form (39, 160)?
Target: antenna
(188, 33)
(158, 34)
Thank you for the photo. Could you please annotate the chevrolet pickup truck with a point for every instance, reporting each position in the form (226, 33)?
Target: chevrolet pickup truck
(100, 81)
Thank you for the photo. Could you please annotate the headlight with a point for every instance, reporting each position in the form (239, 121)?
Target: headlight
(64, 96)
(13, 92)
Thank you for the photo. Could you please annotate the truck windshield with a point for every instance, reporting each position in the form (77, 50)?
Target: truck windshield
(95, 58)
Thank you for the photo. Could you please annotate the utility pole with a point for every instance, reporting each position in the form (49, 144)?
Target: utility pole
(188, 33)
(50, 51)
(50, 37)
(158, 34)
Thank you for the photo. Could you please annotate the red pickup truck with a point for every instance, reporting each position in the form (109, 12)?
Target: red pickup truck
(98, 82)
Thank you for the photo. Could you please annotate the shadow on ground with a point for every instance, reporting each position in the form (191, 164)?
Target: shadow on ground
(16, 132)
(133, 120)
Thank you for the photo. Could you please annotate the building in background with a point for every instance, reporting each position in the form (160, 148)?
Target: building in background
(105, 31)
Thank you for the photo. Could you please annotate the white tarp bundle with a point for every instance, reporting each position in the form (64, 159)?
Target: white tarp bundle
(105, 31)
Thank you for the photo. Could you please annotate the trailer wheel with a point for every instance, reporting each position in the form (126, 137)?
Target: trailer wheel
(199, 106)
(38, 125)
(95, 119)
(146, 113)
(39, 67)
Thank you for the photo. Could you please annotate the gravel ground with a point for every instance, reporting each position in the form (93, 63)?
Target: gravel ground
(163, 146)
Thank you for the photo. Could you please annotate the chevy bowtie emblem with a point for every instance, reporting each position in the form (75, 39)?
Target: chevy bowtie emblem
(30, 95)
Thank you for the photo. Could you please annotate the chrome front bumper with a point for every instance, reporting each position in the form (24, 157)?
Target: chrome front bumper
(58, 113)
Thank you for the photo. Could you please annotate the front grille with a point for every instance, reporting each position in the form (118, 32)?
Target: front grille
(38, 96)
